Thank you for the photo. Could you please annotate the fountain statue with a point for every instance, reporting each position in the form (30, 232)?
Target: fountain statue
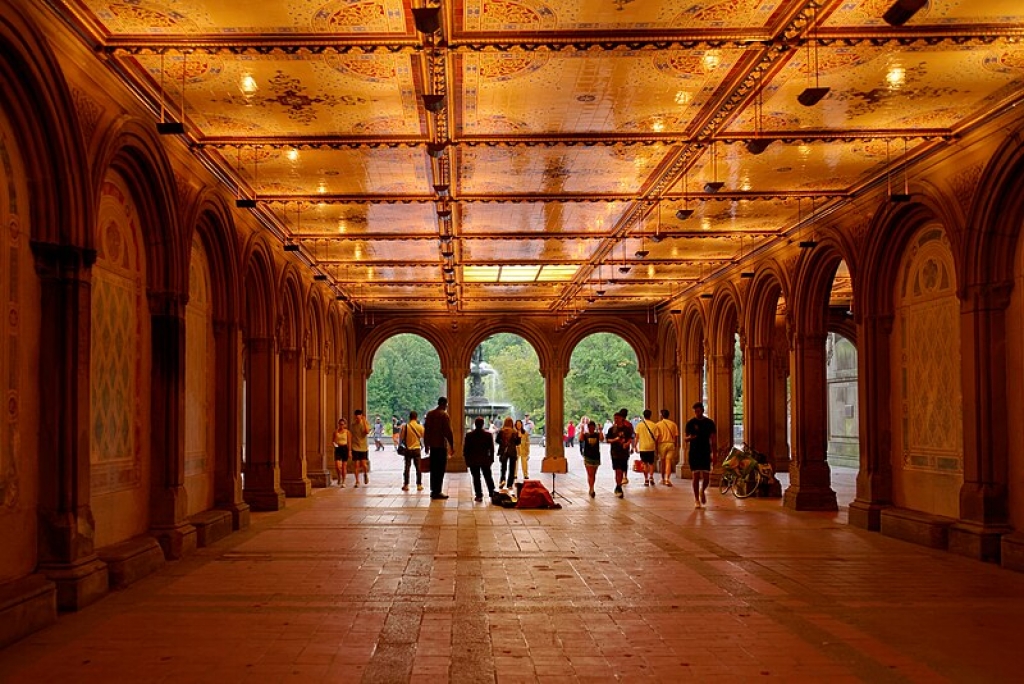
(477, 403)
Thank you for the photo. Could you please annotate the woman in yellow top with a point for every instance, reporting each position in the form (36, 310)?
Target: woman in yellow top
(341, 439)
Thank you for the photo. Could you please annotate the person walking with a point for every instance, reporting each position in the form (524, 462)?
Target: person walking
(591, 441)
(340, 439)
(360, 431)
(570, 434)
(647, 445)
(439, 440)
(703, 441)
(411, 435)
(620, 437)
(378, 434)
(523, 449)
(396, 427)
(668, 446)
(508, 452)
(478, 452)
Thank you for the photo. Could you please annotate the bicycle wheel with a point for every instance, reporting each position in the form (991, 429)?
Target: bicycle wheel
(725, 484)
(746, 485)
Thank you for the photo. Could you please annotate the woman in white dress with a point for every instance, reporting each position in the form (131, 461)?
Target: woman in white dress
(523, 449)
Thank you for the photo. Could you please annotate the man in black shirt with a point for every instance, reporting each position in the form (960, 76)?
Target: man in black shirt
(703, 441)
(620, 437)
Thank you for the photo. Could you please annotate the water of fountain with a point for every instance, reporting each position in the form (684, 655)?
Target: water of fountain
(477, 403)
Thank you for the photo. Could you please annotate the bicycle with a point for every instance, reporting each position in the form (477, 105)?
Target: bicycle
(743, 471)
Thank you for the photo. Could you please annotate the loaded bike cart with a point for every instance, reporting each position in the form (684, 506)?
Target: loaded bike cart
(745, 472)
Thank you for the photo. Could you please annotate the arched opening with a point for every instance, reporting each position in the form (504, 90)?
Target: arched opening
(603, 378)
(405, 377)
(200, 362)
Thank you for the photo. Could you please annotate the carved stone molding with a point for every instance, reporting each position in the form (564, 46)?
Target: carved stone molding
(89, 112)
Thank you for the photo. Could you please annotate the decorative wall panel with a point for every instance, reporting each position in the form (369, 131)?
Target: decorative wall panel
(117, 314)
(198, 367)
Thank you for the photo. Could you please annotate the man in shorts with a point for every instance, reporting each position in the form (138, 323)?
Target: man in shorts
(646, 443)
(668, 446)
(360, 446)
(700, 435)
(620, 437)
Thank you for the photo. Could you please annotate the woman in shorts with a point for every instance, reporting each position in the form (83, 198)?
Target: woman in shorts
(341, 439)
(591, 442)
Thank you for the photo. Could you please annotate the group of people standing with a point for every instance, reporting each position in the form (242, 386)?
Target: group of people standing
(429, 445)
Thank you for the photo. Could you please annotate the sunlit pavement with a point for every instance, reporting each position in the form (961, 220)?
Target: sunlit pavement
(380, 585)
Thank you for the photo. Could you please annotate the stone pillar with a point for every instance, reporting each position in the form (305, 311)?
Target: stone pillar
(227, 493)
(168, 504)
(292, 434)
(758, 399)
(874, 390)
(262, 472)
(810, 479)
(66, 523)
(316, 444)
(455, 378)
(720, 397)
(554, 409)
(779, 416)
(984, 500)
(692, 383)
(332, 409)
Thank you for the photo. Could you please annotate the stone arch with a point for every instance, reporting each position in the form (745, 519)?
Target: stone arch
(396, 326)
(259, 296)
(641, 343)
(813, 285)
(290, 319)
(40, 106)
(724, 314)
(769, 285)
(528, 330)
(214, 224)
(133, 150)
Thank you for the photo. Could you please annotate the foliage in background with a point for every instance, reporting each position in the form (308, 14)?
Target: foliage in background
(603, 377)
(406, 377)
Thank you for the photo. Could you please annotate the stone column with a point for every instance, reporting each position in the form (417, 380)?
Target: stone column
(874, 390)
(779, 417)
(168, 504)
(455, 378)
(66, 523)
(692, 391)
(810, 479)
(227, 494)
(554, 409)
(262, 473)
(316, 444)
(758, 399)
(720, 397)
(293, 438)
(984, 500)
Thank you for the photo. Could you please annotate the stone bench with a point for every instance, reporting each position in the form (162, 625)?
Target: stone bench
(131, 560)
(26, 605)
(211, 525)
(916, 527)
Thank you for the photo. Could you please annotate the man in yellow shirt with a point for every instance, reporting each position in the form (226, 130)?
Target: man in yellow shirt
(360, 429)
(667, 433)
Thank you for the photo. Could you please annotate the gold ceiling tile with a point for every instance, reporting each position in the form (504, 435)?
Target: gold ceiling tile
(590, 92)
(869, 13)
(494, 218)
(572, 169)
(293, 95)
(506, 251)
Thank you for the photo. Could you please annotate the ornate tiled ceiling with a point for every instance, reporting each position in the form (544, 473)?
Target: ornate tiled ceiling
(569, 132)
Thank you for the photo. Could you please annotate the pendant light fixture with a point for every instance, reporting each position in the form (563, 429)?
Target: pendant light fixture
(248, 202)
(165, 127)
(813, 95)
(897, 197)
(714, 185)
(758, 144)
(685, 212)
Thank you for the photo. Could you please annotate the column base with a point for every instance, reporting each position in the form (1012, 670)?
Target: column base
(683, 471)
(456, 464)
(917, 527)
(320, 479)
(981, 542)
(866, 515)
(176, 541)
(78, 584)
(239, 514)
(264, 499)
(781, 463)
(26, 605)
(810, 499)
(297, 489)
(1011, 555)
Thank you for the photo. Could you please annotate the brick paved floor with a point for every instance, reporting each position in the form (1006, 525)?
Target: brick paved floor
(379, 585)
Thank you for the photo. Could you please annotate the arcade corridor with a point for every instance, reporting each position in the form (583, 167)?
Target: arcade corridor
(376, 585)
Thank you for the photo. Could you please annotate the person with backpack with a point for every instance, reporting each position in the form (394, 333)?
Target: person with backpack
(508, 452)
(647, 445)
(478, 452)
(410, 437)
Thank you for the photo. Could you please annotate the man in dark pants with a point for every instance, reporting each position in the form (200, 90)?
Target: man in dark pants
(437, 435)
(478, 450)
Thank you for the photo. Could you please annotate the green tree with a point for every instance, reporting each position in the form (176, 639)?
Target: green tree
(406, 376)
(603, 377)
